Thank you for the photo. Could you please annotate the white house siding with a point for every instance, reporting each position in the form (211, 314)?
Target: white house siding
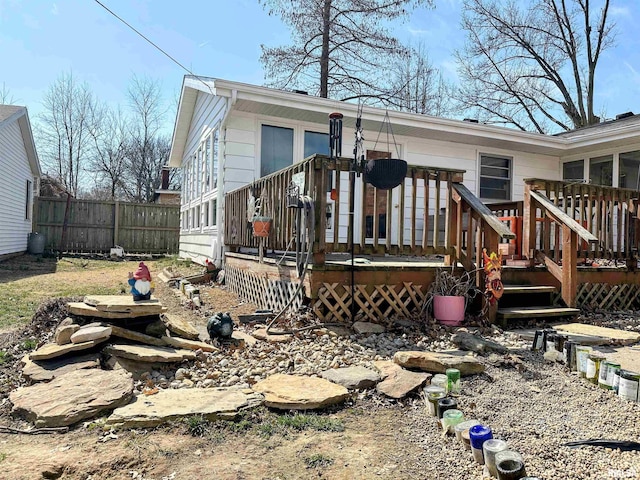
(197, 240)
(14, 227)
(240, 148)
(239, 162)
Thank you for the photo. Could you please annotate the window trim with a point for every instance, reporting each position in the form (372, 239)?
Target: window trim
(511, 161)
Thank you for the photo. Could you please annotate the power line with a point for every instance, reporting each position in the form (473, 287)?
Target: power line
(153, 44)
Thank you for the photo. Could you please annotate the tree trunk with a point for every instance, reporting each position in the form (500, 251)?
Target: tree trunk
(324, 56)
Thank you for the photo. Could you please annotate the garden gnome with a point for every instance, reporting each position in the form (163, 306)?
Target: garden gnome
(140, 282)
(493, 276)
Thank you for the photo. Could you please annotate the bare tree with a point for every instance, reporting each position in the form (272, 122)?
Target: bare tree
(64, 130)
(111, 140)
(419, 87)
(6, 98)
(340, 48)
(533, 67)
(146, 150)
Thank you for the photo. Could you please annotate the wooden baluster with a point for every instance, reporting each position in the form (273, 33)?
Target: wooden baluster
(363, 210)
(401, 199)
(528, 223)
(569, 266)
(611, 221)
(556, 201)
(436, 213)
(336, 208)
(388, 220)
(425, 227)
(320, 195)
(447, 215)
(619, 210)
(414, 209)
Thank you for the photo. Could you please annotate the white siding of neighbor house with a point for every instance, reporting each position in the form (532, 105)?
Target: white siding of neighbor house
(239, 164)
(14, 227)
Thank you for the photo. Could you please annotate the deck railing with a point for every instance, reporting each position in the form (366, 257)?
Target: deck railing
(565, 221)
(475, 227)
(430, 212)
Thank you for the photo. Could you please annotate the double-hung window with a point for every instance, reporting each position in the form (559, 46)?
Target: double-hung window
(495, 177)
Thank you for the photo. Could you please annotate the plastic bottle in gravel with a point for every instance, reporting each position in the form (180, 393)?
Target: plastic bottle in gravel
(478, 434)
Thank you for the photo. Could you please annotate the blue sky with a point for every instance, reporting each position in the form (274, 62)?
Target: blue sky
(41, 39)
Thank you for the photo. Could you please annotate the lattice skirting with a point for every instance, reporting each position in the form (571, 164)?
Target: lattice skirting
(263, 292)
(376, 303)
(625, 296)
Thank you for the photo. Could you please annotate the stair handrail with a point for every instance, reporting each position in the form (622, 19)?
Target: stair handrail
(567, 273)
(488, 231)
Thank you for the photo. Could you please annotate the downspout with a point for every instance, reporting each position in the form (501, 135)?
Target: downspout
(231, 102)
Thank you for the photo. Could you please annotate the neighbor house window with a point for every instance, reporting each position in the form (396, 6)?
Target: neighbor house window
(630, 170)
(206, 214)
(495, 177)
(27, 214)
(601, 170)
(276, 149)
(573, 171)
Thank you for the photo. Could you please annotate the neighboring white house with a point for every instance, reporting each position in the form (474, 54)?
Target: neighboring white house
(228, 134)
(19, 181)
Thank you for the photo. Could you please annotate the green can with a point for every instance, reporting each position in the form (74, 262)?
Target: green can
(453, 381)
(607, 372)
(593, 367)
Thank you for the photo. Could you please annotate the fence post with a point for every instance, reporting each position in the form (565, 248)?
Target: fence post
(34, 214)
(116, 223)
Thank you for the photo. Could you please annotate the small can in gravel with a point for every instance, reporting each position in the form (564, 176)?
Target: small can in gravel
(629, 384)
(593, 366)
(433, 394)
(550, 342)
(559, 342)
(582, 353)
(605, 378)
(538, 341)
(616, 381)
(453, 381)
(570, 355)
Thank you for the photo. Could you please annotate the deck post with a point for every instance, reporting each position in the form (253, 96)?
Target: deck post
(569, 266)
(528, 223)
(320, 205)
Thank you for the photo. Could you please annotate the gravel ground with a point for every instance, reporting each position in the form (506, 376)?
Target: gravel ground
(536, 410)
(534, 405)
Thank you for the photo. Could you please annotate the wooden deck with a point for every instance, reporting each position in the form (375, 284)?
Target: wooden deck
(402, 236)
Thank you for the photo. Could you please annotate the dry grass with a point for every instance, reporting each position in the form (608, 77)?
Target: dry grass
(26, 281)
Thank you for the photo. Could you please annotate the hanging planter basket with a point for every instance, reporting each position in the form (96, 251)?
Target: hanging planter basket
(261, 226)
(386, 173)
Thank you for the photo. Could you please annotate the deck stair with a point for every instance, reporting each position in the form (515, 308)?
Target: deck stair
(528, 302)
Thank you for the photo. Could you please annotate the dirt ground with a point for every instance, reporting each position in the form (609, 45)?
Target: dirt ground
(366, 448)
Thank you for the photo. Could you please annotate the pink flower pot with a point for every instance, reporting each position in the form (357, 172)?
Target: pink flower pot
(448, 310)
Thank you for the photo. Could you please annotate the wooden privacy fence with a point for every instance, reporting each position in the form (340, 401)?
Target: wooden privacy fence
(96, 226)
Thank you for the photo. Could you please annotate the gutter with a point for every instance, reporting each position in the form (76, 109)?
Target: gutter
(231, 102)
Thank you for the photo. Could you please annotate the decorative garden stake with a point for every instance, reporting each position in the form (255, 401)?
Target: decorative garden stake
(493, 276)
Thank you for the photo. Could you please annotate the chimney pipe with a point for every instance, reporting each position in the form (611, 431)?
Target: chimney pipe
(165, 179)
